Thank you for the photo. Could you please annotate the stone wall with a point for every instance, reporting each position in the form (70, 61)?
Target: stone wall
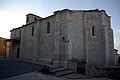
(111, 72)
(27, 42)
(95, 50)
(109, 45)
(51, 46)
(15, 35)
(75, 35)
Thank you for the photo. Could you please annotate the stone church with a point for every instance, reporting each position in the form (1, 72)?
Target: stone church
(65, 38)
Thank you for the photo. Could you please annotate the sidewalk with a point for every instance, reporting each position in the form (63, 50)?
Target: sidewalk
(34, 76)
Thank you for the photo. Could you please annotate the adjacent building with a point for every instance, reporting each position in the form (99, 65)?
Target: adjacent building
(66, 38)
(4, 48)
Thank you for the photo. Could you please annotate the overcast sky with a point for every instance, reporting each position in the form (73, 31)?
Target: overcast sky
(13, 12)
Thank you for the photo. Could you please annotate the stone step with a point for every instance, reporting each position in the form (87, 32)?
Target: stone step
(76, 76)
(62, 73)
(54, 67)
(58, 70)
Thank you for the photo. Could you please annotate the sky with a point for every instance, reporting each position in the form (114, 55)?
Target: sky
(13, 12)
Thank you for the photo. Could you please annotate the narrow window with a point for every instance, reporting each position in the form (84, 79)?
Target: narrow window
(32, 31)
(48, 27)
(93, 31)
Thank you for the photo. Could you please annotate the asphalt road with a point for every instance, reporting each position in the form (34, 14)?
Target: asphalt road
(9, 68)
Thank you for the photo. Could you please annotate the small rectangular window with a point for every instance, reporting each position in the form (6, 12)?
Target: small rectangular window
(93, 31)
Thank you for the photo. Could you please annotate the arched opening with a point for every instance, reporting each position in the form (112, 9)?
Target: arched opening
(18, 52)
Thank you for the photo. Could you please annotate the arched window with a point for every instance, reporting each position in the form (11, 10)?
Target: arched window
(32, 31)
(48, 27)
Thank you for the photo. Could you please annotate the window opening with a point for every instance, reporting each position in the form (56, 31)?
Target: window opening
(48, 27)
(32, 31)
(93, 31)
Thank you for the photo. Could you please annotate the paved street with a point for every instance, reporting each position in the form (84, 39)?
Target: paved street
(23, 70)
(39, 76)
(9, 68)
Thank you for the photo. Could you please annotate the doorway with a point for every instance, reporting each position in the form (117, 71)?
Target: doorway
(81, 66)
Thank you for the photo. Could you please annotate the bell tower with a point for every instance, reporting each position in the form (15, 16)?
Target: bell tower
(31, 18)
